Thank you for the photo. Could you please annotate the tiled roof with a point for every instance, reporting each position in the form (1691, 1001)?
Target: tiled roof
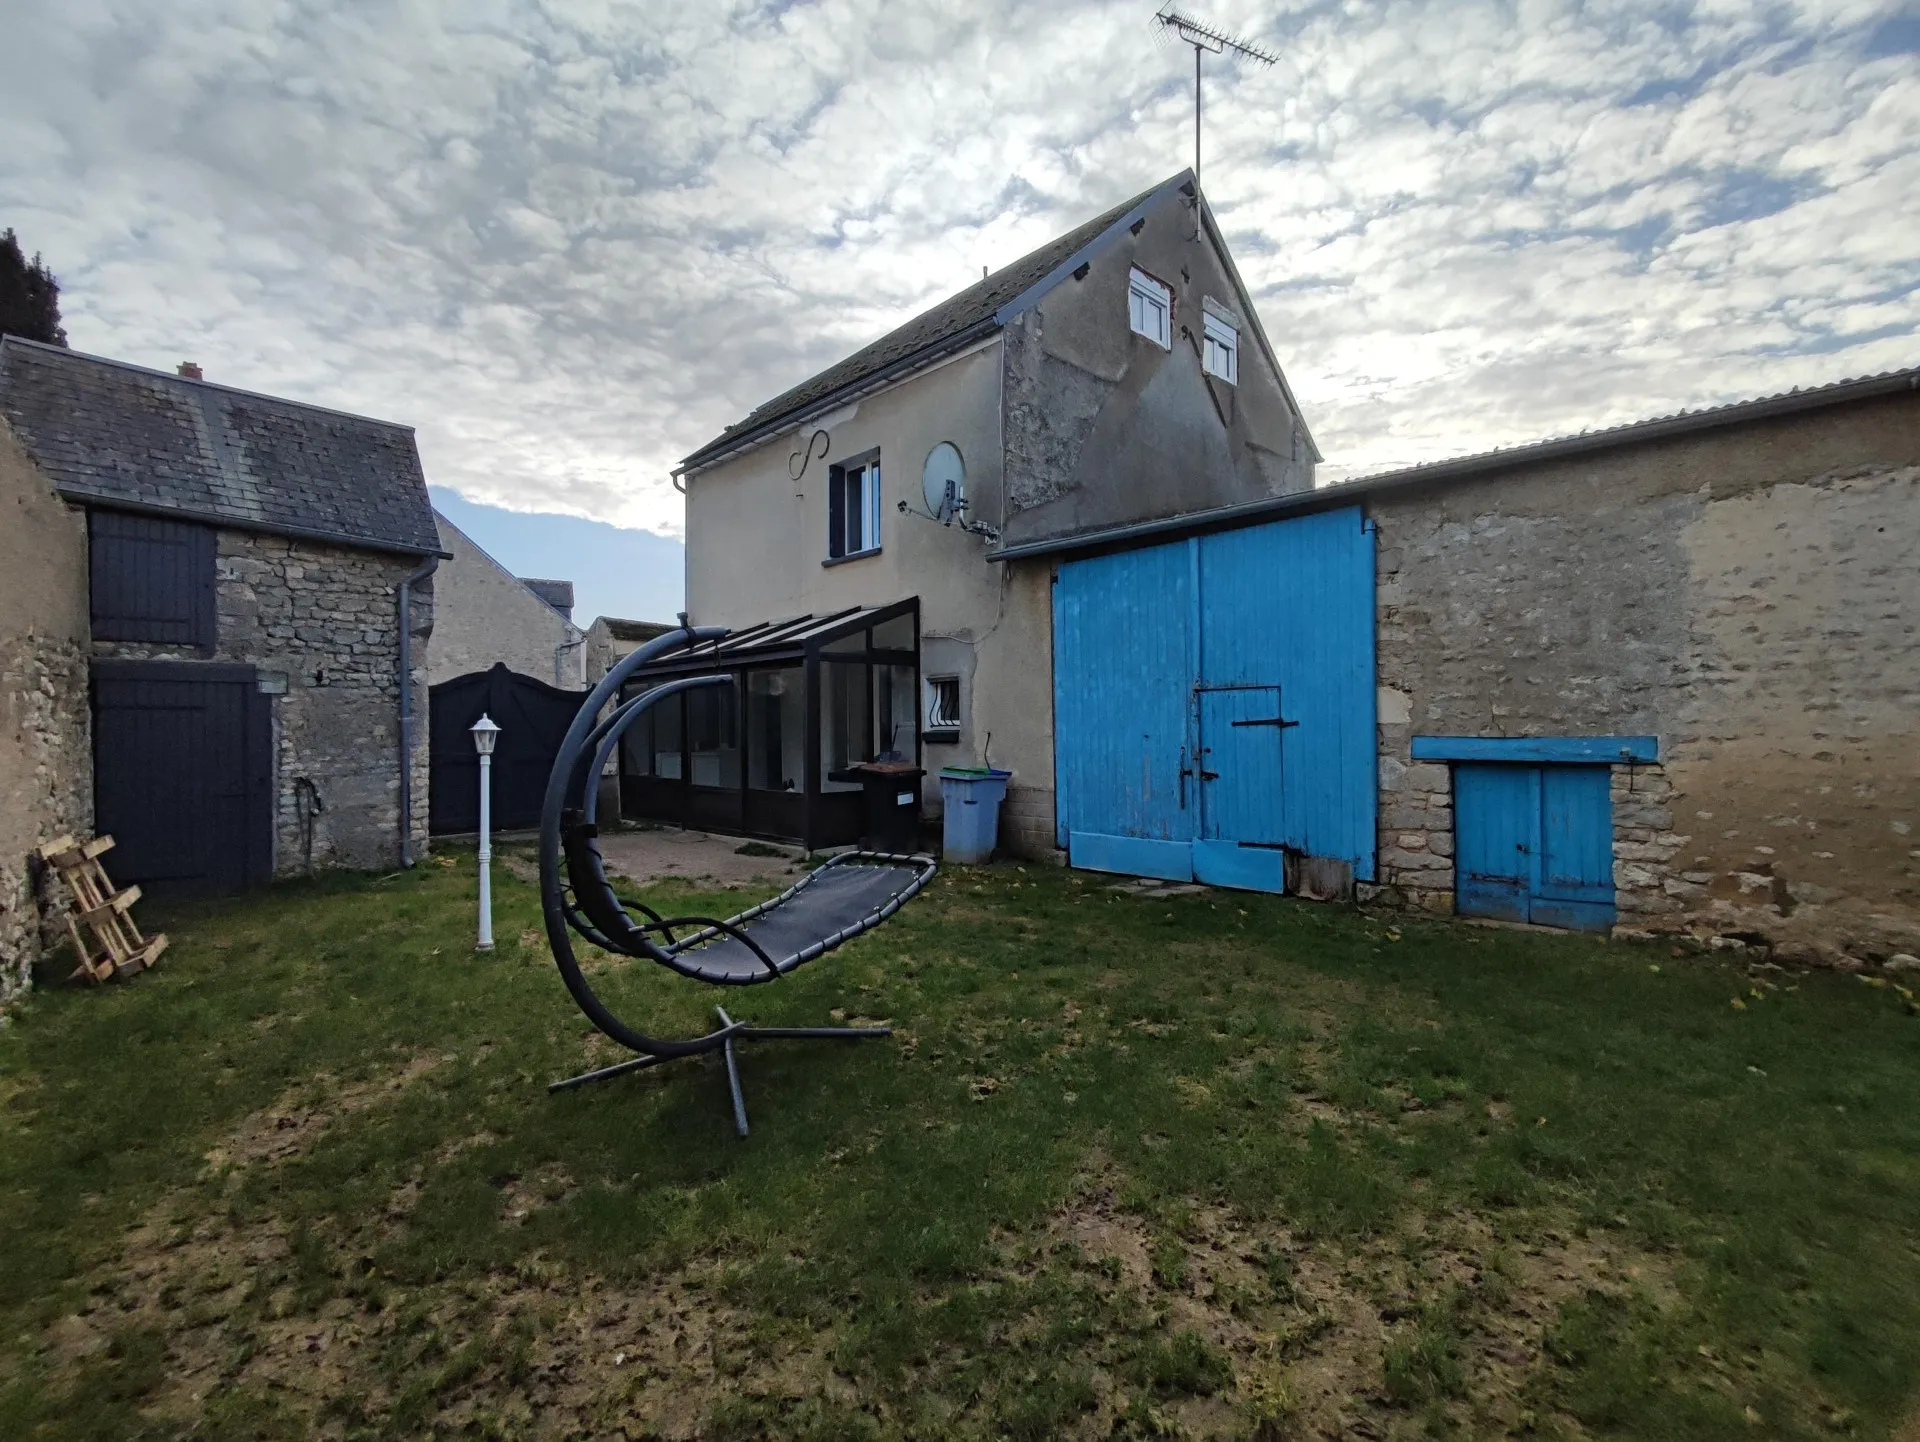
(119, 434)
(978, 304)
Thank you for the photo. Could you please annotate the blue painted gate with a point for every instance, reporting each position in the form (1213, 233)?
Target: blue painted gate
(1534, 843)
(1214, 703)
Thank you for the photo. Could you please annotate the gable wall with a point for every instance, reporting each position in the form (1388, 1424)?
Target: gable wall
(1747, 595)
(483, 614)
(46, 757)
(1104, 427)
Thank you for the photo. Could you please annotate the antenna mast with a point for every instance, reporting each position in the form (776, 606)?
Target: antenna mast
(1203, 37)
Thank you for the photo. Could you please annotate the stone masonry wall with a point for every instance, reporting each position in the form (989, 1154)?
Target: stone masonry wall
(324, 618)
(485, 614)
(46, 744)
(1747, 596)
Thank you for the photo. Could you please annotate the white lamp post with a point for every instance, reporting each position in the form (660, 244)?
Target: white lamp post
(485, 733)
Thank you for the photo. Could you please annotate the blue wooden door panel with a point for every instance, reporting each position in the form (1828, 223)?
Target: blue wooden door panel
(1575, 884)
(1240, 771)
(1240, 776)
(1142, 637)
(1291, 604)
(1122, 659)
(1496, 812)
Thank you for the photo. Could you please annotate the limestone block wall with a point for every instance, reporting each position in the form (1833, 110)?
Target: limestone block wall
(485, 614)
(1746, 595)
(46, 745)
(324, 618)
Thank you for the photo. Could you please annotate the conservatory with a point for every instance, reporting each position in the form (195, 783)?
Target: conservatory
(772, 754)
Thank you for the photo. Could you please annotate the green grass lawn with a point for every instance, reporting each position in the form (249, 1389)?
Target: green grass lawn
(1208, 1165)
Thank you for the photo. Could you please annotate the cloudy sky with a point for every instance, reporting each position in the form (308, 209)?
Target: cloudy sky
(570, 240)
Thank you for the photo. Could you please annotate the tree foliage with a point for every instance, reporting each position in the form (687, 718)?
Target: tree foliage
(29, 295)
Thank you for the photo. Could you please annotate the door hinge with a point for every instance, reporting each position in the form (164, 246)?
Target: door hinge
(1278, 721)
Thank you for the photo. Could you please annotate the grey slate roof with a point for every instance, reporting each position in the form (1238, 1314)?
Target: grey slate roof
(123, 435)
(557, 594)
(976, 306)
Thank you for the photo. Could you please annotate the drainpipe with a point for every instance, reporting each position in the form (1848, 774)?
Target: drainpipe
(425, 569)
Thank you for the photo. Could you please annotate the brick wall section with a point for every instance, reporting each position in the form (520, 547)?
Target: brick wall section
(325, 617)
(1747, 596)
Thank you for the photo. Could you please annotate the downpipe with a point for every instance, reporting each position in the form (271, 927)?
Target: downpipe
(425, 569)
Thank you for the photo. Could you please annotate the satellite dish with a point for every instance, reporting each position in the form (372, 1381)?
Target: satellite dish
(944, 481)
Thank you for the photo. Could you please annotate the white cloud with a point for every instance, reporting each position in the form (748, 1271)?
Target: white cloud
(571, 241)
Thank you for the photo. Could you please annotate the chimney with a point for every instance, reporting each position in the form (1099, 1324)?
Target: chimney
(191, 371)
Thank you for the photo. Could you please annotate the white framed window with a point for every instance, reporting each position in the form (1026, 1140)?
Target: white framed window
(853, 509)
(1150, 308)
(943, 703)
(1220, 356)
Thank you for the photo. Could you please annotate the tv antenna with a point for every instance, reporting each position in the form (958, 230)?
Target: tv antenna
(1203, 37)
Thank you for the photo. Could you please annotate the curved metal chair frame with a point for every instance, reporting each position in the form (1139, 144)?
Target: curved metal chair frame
(583, 900)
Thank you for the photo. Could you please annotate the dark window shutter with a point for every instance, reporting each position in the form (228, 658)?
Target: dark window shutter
(150, 580)
(836, 512)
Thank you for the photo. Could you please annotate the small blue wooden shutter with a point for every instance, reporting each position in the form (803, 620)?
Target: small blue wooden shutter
(1575, 883)
(1534, 843)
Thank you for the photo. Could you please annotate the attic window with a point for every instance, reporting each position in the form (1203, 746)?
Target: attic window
(1150, 308)
(1221, 356)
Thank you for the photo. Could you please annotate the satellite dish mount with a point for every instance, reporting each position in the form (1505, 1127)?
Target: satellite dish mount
(943, 485)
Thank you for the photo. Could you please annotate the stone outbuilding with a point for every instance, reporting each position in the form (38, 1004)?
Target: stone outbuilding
(1663, 677)
(213, 642)
(610, 638)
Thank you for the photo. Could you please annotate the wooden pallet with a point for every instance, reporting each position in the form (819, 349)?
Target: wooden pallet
(101, 923)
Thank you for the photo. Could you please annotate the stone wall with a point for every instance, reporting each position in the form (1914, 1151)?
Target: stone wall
(1747, 595)
(324, 619)
(46, 749)
(484, 614)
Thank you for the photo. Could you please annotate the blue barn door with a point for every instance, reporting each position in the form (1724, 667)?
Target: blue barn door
(1534, 843)
(1123, 758)
(1242, 839)
(1179, 654)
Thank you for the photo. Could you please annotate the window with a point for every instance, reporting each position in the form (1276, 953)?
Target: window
(1150, 308)
(150, 580)
(853, 509)
(943, 704)
(1221, 355)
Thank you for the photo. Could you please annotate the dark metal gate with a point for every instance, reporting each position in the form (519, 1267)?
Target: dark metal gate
(183, 775)
(533, 718)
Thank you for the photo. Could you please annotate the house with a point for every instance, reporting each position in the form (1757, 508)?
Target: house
(484, 615)
(243, 585)
(845, 529)
(1664, 677)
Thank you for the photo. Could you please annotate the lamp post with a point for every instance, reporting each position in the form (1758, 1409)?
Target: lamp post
(485, 733)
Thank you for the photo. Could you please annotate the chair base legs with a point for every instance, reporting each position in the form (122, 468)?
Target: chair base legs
(730, 1032)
